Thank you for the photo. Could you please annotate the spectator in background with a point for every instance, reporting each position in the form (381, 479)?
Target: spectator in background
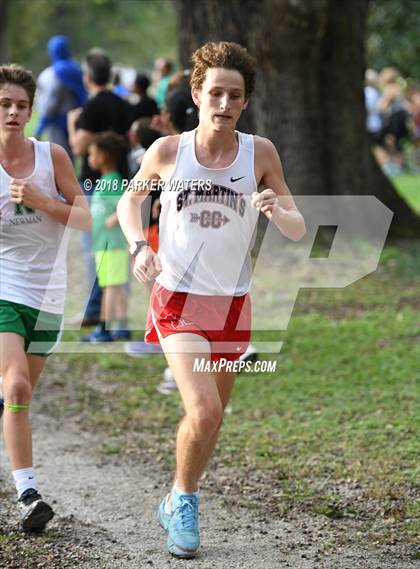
(103, 111)
(372, 98)
(179, 79)
(393, 108)
(109, 244)
(179, 113)
(145, 106)
(118, 87)
(60, 88)
(414, 109)
(141, 136)
(162, 76)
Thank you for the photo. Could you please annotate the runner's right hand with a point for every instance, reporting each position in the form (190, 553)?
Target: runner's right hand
(147, 265)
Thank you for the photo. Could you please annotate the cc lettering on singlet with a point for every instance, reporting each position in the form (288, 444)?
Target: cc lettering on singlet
(206, 219)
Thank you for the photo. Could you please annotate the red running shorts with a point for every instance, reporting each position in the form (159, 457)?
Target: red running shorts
(224, 321)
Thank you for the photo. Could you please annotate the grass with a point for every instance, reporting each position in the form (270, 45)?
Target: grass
(408, 186)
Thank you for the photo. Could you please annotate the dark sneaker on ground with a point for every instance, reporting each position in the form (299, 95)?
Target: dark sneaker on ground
(34, 512)
(121, 335)
(1, 405)
(98, 335)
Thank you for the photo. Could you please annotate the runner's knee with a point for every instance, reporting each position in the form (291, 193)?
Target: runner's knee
(206, 419)
(18, 389)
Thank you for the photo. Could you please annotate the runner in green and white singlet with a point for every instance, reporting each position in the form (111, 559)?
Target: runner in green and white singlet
(39, 196)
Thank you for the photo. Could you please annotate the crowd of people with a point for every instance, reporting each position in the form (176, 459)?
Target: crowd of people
(392, 118)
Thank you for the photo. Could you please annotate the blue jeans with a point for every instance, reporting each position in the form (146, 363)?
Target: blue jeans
(94, 297)
(93, 301)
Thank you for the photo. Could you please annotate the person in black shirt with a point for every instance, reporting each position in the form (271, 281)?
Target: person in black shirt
(146, 106)
(103, 111)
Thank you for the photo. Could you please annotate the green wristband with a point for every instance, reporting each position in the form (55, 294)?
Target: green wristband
(14, 408)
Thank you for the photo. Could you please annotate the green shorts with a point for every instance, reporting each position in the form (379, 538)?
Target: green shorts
(43, 328)
(112, 267)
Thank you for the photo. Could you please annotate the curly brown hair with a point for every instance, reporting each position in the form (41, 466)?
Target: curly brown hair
(111, 143)
(227, 55)
(14, 74)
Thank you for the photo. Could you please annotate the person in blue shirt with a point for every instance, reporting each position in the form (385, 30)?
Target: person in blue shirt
(59, 89)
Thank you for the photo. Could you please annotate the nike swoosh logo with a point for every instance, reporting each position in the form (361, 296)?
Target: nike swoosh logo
(236, 179)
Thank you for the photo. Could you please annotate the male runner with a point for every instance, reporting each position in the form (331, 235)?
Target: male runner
(39, 196)
(199, 305)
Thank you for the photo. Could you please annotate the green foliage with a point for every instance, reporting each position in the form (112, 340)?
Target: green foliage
(393, 36)
(133, 32)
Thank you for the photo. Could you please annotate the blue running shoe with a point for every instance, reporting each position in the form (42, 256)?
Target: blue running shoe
(121, 335)
(182, 525)
(98, 335)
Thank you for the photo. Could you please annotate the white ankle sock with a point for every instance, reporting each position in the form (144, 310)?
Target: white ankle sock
(178, 492)
(24, 479)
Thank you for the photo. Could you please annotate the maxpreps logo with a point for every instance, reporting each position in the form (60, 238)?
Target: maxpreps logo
(24, 215)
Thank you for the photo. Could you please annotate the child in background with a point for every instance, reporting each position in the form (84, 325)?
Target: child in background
(109, 244)
(141, 137)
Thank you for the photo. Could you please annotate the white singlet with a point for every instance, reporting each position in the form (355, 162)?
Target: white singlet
(207, 223)
(32, 248)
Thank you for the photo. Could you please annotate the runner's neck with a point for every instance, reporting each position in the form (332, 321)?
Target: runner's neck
(13, 145)
(213, 146)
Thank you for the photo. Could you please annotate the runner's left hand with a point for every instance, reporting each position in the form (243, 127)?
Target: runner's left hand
(267, 201)
(25, 193)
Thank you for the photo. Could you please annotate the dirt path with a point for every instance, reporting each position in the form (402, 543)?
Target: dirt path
(106, 506)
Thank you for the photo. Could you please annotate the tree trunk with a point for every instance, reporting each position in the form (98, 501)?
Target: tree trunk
(4, 44)
(309, 92)
(214, 20)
